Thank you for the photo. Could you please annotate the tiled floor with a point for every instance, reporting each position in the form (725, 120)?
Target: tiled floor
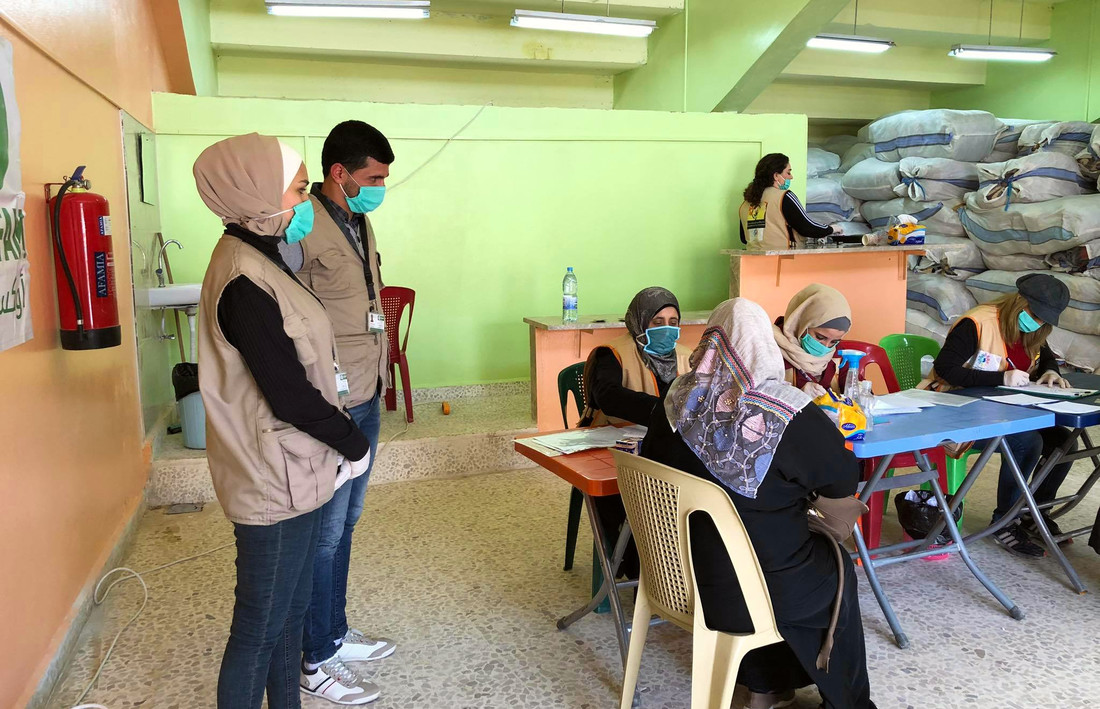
(466, 575)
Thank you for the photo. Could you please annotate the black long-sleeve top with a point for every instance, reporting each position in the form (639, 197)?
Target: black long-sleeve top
(610, 396)
(798, 220)
(960, 346)
(251, 321)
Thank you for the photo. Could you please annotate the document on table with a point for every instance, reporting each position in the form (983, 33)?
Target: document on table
(584, 439)
(1019, 399)
(1047, 390)
(899, 403)
(938, 398)
(1069, 407)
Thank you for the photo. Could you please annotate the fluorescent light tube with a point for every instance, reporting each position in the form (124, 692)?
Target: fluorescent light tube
(589, 24)
(374, 9)
(850, 43)
(1008, 54)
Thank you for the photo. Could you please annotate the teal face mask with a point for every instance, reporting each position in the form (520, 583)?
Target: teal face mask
(813, 347)
(368, 199)
(301, 223)
(786, 185)
(661, 341)
(1027, 323)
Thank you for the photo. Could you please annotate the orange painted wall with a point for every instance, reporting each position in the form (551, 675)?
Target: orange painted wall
(72, 465)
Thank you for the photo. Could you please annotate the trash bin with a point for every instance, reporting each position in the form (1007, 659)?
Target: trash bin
(185, 380)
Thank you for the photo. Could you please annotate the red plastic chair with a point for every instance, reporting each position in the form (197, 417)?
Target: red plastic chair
(394, 300)
(872, 521)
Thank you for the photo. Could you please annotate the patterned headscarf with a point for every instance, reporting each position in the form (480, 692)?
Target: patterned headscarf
(641, 310)
(733, 407)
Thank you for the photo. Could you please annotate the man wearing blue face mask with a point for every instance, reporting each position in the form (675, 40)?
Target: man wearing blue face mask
(340, 262)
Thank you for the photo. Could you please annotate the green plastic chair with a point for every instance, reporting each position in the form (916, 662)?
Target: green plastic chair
(571, 380)
(905, 352)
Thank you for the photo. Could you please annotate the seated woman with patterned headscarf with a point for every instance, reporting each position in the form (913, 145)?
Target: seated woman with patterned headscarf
(733, 420)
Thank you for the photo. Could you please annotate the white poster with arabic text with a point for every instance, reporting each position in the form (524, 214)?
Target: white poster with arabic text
(15, 272)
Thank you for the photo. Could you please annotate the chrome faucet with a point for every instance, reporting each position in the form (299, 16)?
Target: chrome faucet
(161, 261)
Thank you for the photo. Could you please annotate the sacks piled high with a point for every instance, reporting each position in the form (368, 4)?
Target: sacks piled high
(938, 217)
(1008, 144)
(1038, 229)
(968, 136)
(928, 179)
(855, 155)
(827, 202)
(839, 144)
(955, 257)
(1032, 178)
(940, 298)
(1088, 160)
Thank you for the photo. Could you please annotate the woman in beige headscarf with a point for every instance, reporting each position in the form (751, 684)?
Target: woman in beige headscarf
(817, 318)
(276, 429)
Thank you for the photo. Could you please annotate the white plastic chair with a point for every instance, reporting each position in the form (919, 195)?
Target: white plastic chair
(658, 501)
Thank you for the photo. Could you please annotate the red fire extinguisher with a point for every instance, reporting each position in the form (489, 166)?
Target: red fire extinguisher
(84, 261)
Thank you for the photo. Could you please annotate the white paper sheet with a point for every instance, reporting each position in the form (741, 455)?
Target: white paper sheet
(939, 398)
(1069, 407)
(1018, 399)
(900, 400)
(1047, 390)
(587, 438)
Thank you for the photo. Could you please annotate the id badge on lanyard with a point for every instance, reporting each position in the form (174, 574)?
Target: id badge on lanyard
(342, 387)
(376, 322)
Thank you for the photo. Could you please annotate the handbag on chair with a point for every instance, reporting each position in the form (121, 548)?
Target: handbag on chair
(834, 518)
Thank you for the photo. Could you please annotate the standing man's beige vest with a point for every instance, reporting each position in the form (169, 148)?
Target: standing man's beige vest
(765, 226)
(333, 268)
(264, 469)
(636, 375)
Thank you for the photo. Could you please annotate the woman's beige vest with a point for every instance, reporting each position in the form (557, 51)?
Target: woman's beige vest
(765, 226)
(264, 469)
(636, 375)
(333, 268)
(990, 342)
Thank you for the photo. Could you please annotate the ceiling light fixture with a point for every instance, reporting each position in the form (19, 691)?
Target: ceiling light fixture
(373, 9)
(850, 42)
(589, 24)
(989, 52)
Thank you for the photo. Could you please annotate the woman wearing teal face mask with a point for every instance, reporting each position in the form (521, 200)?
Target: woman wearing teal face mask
(771, 215)
(276, 428)
(1004, 343)
(817, 318)
(628, 377)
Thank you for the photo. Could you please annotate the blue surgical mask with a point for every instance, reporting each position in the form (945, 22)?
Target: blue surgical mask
(1027, 323)
(301, 223)
(661, 341)
(786, 184)
(368, 199)
(814, 347)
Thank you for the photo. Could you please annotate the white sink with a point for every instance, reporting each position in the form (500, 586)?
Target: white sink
(177, 295)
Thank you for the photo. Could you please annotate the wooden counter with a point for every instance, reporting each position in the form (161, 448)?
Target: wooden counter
(556, 345)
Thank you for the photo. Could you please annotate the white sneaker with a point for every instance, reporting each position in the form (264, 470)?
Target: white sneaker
(357, 647)
(338, 683)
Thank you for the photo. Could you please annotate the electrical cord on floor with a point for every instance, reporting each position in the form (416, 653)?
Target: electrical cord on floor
(131, 574)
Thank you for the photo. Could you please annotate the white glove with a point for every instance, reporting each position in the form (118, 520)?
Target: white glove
(814, 390)
(1016, 378)
(358, 467)
(837, 229)
(343, 473)
(1053, 379)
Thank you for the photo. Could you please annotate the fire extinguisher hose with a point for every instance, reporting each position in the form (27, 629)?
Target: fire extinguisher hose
(62, 257)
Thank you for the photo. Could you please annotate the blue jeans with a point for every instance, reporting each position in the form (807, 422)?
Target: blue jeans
(326, 623)
(1027, 448)
(274, 579)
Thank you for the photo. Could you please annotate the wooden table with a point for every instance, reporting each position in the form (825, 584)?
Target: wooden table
(873, 278)
(556, 345)
(594, 474)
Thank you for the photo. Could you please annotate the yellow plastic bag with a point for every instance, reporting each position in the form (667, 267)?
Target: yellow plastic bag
(847, 415)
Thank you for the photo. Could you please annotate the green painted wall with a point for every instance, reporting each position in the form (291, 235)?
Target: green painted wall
(659, 85)
(485, 230)
(1066, 88)
(196, 28)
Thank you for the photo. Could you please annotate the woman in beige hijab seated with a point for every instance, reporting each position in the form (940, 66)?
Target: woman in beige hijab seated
(817, 318)
(276, 429)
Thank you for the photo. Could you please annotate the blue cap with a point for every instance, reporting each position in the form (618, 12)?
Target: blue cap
(569, 269)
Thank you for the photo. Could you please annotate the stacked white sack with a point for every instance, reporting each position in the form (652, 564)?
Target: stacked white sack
(938, 217)
(939, 297)
(1038, 177)
(968, 136)
(955, 257)
(1008, 143)
(821, 162)
(928, 179)
(827, 202)
(1070, 138)
(1036, 229)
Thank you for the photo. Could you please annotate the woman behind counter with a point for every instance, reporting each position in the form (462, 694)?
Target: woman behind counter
(275, 425)
(771, 215)
(817, 318)
(733, 421)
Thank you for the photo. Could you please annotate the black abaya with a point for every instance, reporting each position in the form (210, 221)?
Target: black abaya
(800, 567)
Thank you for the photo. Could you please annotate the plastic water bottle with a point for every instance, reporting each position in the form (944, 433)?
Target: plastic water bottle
(867, 402)
(569, 296)
(926, 364)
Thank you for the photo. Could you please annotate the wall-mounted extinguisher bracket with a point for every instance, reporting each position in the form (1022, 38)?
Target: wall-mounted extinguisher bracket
(87, 301)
